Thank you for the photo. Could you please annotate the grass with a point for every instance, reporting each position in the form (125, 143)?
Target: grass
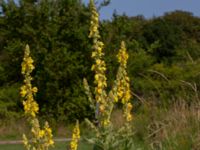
(58, 146)
(174, 128)
(13, 129)
(11, 147)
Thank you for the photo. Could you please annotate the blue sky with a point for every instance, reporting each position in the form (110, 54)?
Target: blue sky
(148, 8)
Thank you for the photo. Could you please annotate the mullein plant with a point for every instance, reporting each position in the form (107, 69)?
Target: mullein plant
(102, 102)
(41, 139)
(102, 112)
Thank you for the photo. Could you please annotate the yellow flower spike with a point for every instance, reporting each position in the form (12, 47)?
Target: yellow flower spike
(99, 66)
(128, 112)
(48, 134)
(75, 137)
(122, 55)
(122, 82)
(41, 139)
(26, 142)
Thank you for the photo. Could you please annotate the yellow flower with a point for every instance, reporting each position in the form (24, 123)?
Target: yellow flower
(115, 98)
(48, 130)
(129, 106)
(98, 61)
(41, 133)
(106, 123)
(34, 89)
(99, 90)
(96, 77)
(29, 61)
(23, 68)
(51, 142)
(23, 91)
(100, 84)
(94, 54)
(31, 67)
(129, 117)
(101, 108)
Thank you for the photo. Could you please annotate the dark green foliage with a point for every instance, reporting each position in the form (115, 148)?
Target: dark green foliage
(168, 35)
(9, 102)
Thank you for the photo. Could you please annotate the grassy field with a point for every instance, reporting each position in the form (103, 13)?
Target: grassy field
(58, 146)
(176, 128)
(12, 130)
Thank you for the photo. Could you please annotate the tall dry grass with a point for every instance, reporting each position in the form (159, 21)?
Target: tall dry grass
(175, 128)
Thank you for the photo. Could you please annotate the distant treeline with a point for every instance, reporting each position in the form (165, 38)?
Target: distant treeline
(164, 56)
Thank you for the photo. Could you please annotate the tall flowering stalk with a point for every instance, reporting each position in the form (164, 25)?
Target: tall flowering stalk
(27, 91)
(41, 138)
(99, 67)
(75, 137)
(122, 82)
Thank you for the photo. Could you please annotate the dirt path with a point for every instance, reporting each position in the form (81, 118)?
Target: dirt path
(20, 141)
